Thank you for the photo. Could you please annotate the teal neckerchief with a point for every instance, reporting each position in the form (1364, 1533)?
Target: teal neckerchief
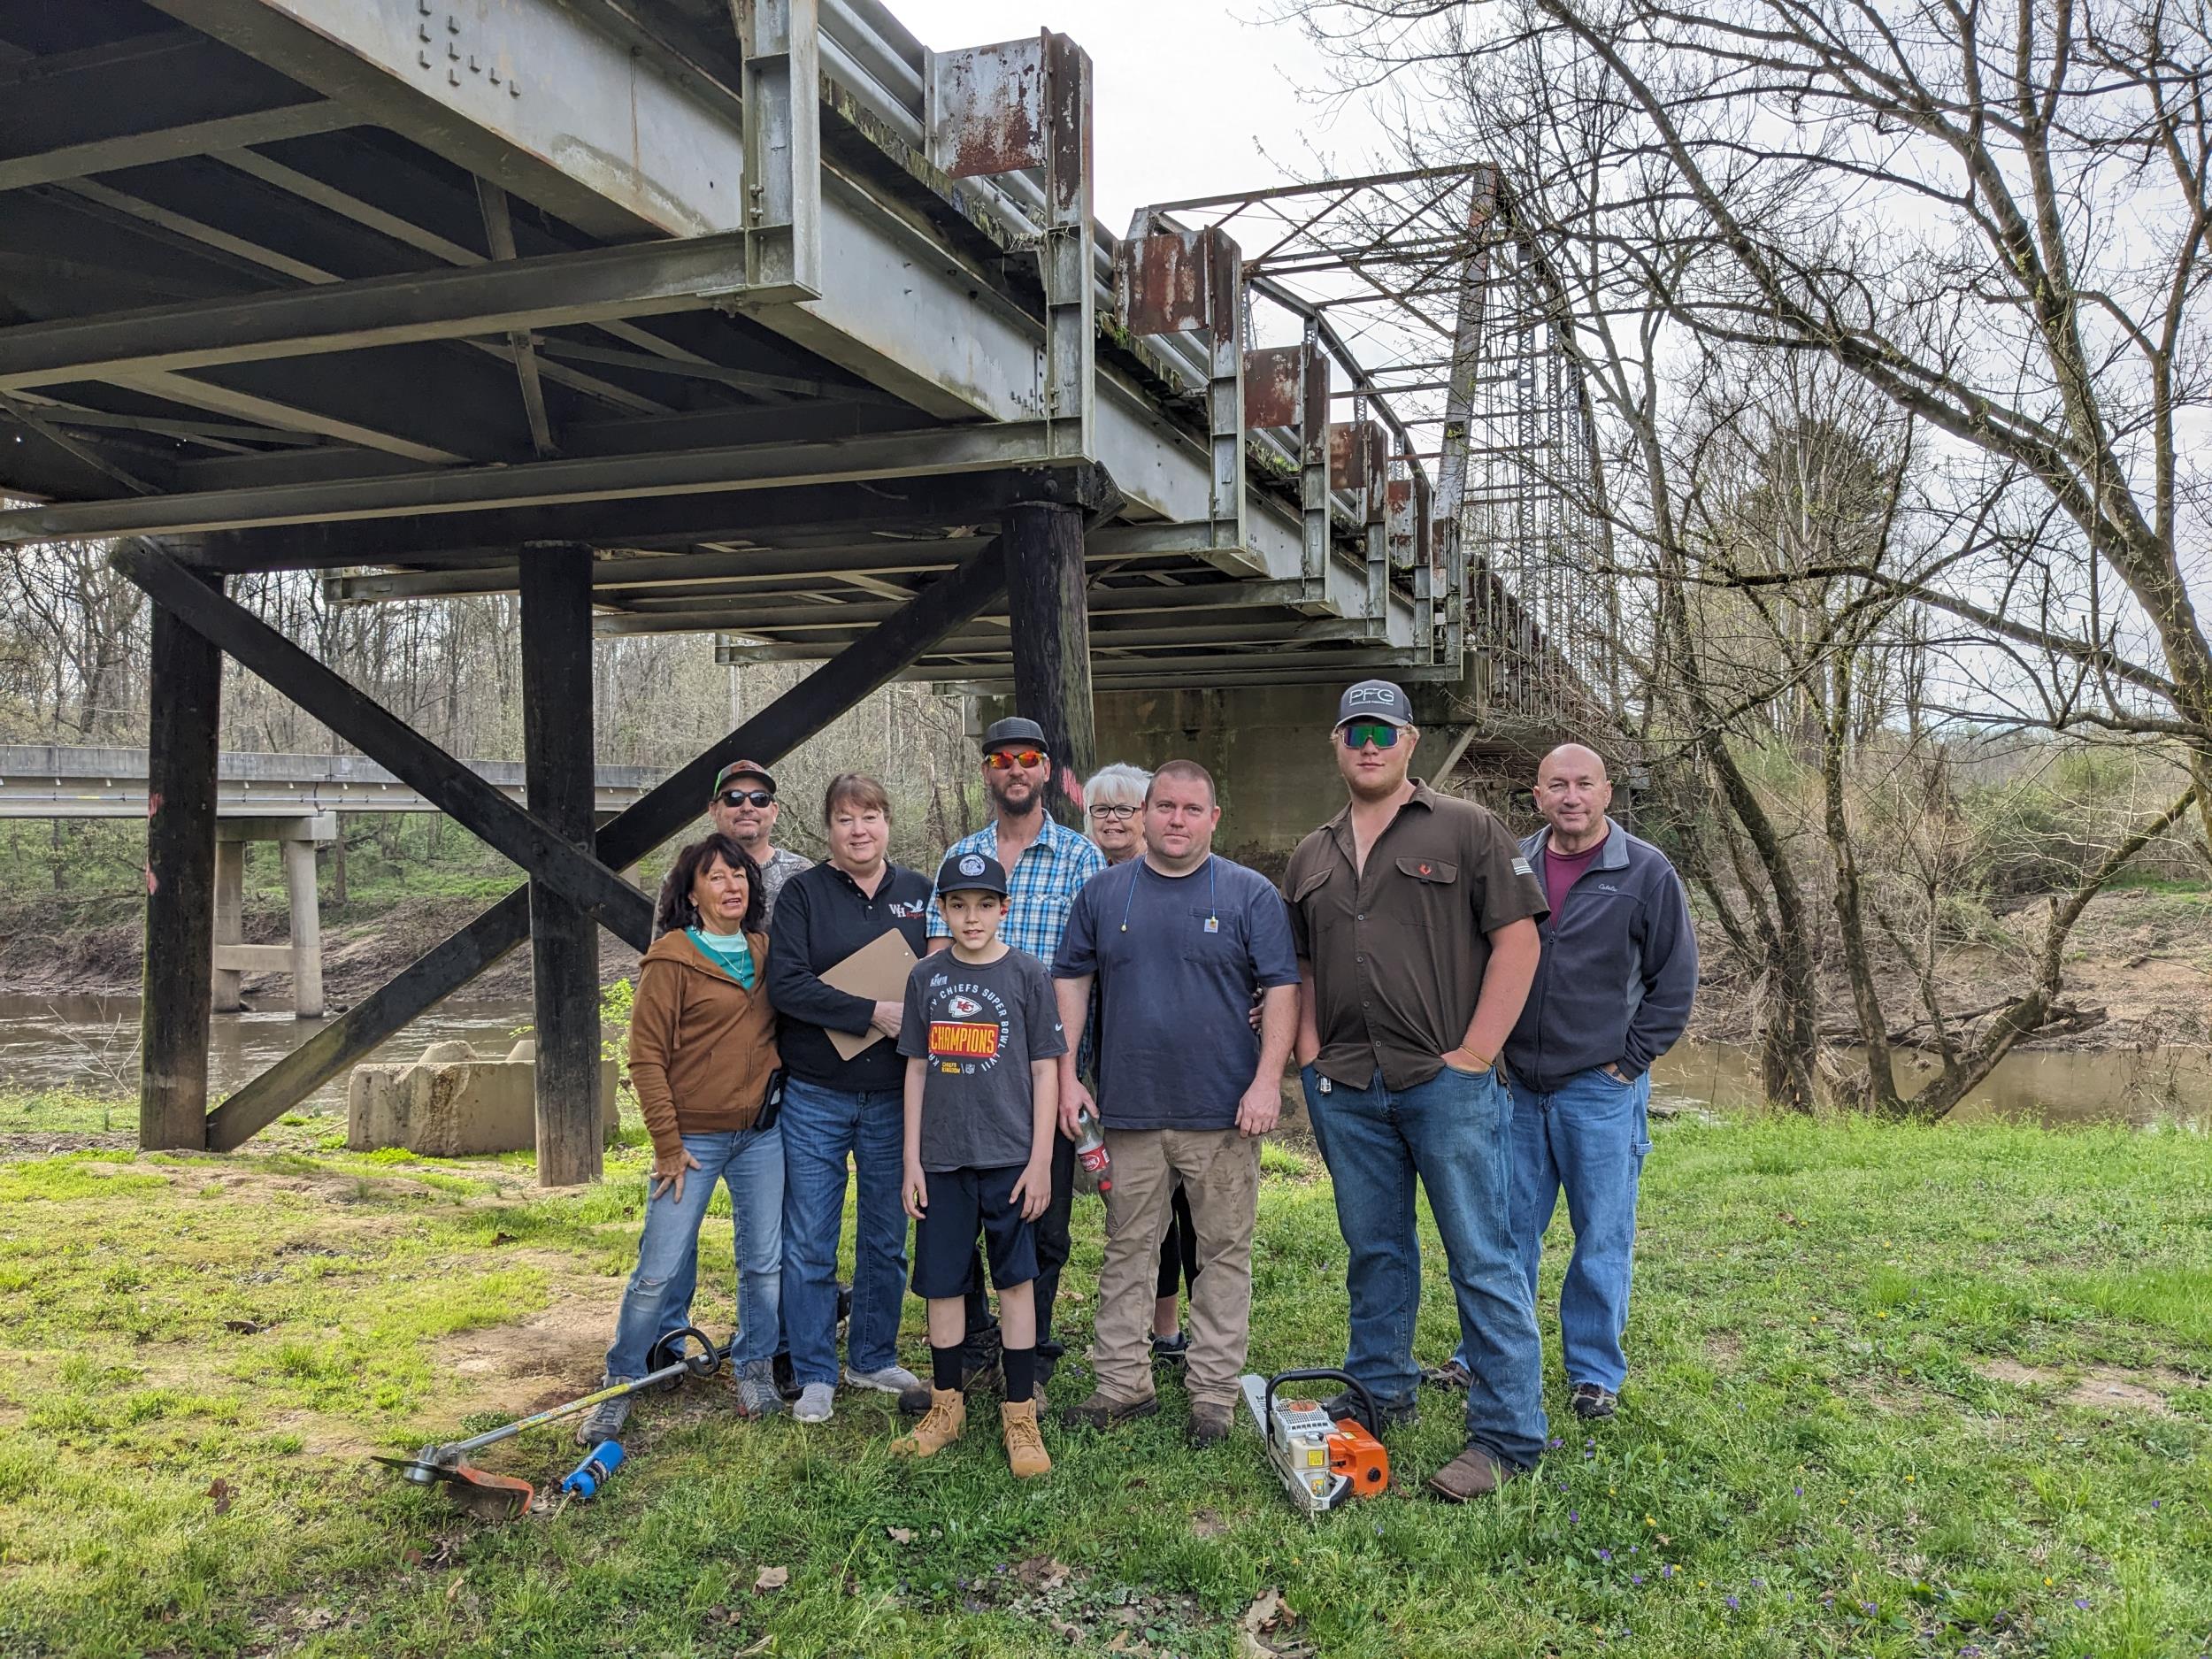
(729, 952)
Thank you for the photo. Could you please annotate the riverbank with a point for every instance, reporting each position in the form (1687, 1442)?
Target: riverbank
(2142, 957)
(1896, 1390)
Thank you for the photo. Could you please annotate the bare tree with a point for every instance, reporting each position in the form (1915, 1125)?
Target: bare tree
(1994, 215)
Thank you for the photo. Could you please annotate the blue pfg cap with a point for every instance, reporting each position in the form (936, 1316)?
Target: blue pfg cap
(1375, 700)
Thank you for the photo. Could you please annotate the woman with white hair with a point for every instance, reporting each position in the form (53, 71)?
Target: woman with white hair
(1114, 800)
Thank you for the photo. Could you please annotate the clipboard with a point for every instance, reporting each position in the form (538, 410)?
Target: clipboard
(877, 971)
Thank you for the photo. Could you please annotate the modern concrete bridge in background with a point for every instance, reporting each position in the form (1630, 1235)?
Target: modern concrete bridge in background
(55, 781)
(290, 800)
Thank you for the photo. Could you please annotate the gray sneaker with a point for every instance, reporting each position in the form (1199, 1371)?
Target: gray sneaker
(605, 1421)
(818, 1402)
(892, 1380)
(755, 1387)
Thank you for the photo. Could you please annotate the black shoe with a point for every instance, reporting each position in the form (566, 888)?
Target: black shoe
(975, 1380)
(1171, 1350)
(787, 1381)
(1591, 1402)
(1394, 1413)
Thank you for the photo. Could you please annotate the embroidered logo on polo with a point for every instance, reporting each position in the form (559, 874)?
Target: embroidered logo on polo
(968, 1029)
(909, 907)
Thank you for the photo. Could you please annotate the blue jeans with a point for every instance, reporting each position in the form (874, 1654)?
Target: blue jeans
(1455, 1134)
(1589, 1136)
(821, 1127)
(657, 1299)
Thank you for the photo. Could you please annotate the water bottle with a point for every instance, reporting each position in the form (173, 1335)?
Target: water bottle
(592, 1473)
(1090, 1149)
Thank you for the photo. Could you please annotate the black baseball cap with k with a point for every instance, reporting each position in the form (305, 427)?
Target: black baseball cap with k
(971, 872)
(1375, 700)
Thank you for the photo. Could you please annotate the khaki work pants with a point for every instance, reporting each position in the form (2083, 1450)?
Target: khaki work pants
(1220, 1172)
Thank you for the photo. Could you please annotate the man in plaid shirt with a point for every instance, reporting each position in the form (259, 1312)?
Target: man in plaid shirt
(1046, 865)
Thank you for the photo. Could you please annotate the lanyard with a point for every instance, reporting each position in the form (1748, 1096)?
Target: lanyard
(1213, 914)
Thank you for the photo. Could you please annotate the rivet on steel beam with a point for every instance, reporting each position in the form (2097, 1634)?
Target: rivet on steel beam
(453, 77)
(423, 58)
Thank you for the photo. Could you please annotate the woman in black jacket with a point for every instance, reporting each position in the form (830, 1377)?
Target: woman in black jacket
(835, 1106)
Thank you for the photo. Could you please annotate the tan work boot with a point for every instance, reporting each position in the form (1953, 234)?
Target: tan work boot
(1024, 1443)
(939, 1428)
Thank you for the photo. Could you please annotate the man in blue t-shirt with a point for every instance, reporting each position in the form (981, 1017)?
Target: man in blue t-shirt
(1179, 941)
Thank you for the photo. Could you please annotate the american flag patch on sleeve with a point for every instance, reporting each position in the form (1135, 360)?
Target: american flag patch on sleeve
(1520, 867)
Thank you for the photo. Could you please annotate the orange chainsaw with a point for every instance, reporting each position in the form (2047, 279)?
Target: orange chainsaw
(1323, 1461)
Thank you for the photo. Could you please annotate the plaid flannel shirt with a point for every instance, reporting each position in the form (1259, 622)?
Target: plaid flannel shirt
(1039, 888)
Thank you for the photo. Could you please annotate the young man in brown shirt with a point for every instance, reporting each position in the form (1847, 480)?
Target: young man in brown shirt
(1414, 915)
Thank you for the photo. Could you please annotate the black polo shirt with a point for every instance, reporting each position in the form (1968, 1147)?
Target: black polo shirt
(822, 917)
(1399, 949)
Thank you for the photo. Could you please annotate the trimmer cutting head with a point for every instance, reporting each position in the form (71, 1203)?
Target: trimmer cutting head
(488, 1496)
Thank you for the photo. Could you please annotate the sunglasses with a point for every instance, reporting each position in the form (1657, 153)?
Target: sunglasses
(1117, 814)
(1360, 733)
(1001, 759)
(749, 797)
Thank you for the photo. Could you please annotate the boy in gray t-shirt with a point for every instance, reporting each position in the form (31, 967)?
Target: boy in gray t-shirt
(980, 1036)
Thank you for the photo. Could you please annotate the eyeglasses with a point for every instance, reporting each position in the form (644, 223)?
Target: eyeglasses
(1115, 814)
(742, 797)
(1001, 759)
(1360, 733)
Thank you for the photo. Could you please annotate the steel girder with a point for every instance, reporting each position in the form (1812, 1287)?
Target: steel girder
(609, 139)
(645, 280)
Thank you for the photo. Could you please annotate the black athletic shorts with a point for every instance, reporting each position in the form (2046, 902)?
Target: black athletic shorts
(962, 1202)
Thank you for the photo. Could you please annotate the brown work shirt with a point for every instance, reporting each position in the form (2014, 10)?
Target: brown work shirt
(1399, 949)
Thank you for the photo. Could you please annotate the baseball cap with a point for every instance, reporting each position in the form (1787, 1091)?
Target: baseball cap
(971, 873)
(741, 769)
(1376, 700)
(1014, 732)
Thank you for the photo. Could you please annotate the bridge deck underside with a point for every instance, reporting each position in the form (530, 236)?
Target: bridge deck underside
(783, 476)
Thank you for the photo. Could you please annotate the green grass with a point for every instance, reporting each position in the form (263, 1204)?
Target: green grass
(1852, 1429)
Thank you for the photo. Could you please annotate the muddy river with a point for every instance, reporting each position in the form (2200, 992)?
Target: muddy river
(90, 1043)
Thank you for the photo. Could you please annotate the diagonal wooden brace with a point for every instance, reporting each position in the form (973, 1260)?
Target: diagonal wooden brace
(478, 807)
(823, 695)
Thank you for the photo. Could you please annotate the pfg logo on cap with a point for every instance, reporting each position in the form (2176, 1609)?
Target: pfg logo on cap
(1377, 696)
(972, 865)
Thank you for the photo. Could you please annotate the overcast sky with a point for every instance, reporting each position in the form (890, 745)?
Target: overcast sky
(1189, 99)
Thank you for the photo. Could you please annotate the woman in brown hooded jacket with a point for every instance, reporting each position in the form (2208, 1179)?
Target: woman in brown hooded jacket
(703, 1049)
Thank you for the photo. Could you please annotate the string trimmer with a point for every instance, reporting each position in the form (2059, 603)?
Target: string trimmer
(500, 1497)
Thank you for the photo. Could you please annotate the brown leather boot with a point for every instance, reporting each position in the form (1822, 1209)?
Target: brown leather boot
(1025, 1442)
(939, 1428)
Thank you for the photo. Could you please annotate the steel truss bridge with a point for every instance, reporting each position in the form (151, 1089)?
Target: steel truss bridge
(748, 316)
